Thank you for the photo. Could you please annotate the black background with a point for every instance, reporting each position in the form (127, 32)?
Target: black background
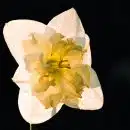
(108, 26)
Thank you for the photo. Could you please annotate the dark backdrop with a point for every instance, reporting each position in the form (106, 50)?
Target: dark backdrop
(107, 23)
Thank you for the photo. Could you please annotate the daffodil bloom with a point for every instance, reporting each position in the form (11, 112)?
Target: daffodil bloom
(54, 66)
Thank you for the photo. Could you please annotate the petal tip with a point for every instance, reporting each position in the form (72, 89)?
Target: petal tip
(72, 10)
(7, 27)
(69, 17)
(33, 111)
(92, 99)
(87, 37)
(99, 103)
(7, 24)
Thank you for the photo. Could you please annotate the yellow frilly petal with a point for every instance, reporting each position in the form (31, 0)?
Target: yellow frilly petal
(73, 82)
(85, 72)
(39, 83)
(44, 45)
(50, 98)
(74, 57)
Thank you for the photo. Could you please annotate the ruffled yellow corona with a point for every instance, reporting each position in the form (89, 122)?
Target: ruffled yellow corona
(55, 65)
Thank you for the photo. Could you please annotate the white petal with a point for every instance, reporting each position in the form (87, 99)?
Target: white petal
(87, 55)
(68, 23)
(94, 81)
(80, 41)
(32, 110)
(28, 103)
(21, 76)
(17, 30)
(92, 98)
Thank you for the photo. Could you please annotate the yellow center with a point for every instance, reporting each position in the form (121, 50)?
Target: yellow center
(57, 73)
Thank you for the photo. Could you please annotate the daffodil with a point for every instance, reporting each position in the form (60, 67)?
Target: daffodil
(54, 66)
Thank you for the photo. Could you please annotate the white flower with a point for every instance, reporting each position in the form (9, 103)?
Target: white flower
(69, 25)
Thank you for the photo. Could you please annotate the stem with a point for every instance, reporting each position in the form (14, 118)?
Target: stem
(30, 126)
(30, 94)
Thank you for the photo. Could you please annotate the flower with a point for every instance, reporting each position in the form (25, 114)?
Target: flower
(54, 66)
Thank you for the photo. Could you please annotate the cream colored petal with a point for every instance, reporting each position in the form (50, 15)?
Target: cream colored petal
(32, 110)
(75, 29)
(92, 98)
(80, 41)
(94, 81)
(49, 31)
(21, 76)
(68, 23)
(30, 104)
(87, 56)
(16, 31)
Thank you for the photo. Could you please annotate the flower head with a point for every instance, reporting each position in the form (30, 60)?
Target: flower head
(54, 66)
(57, 72)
